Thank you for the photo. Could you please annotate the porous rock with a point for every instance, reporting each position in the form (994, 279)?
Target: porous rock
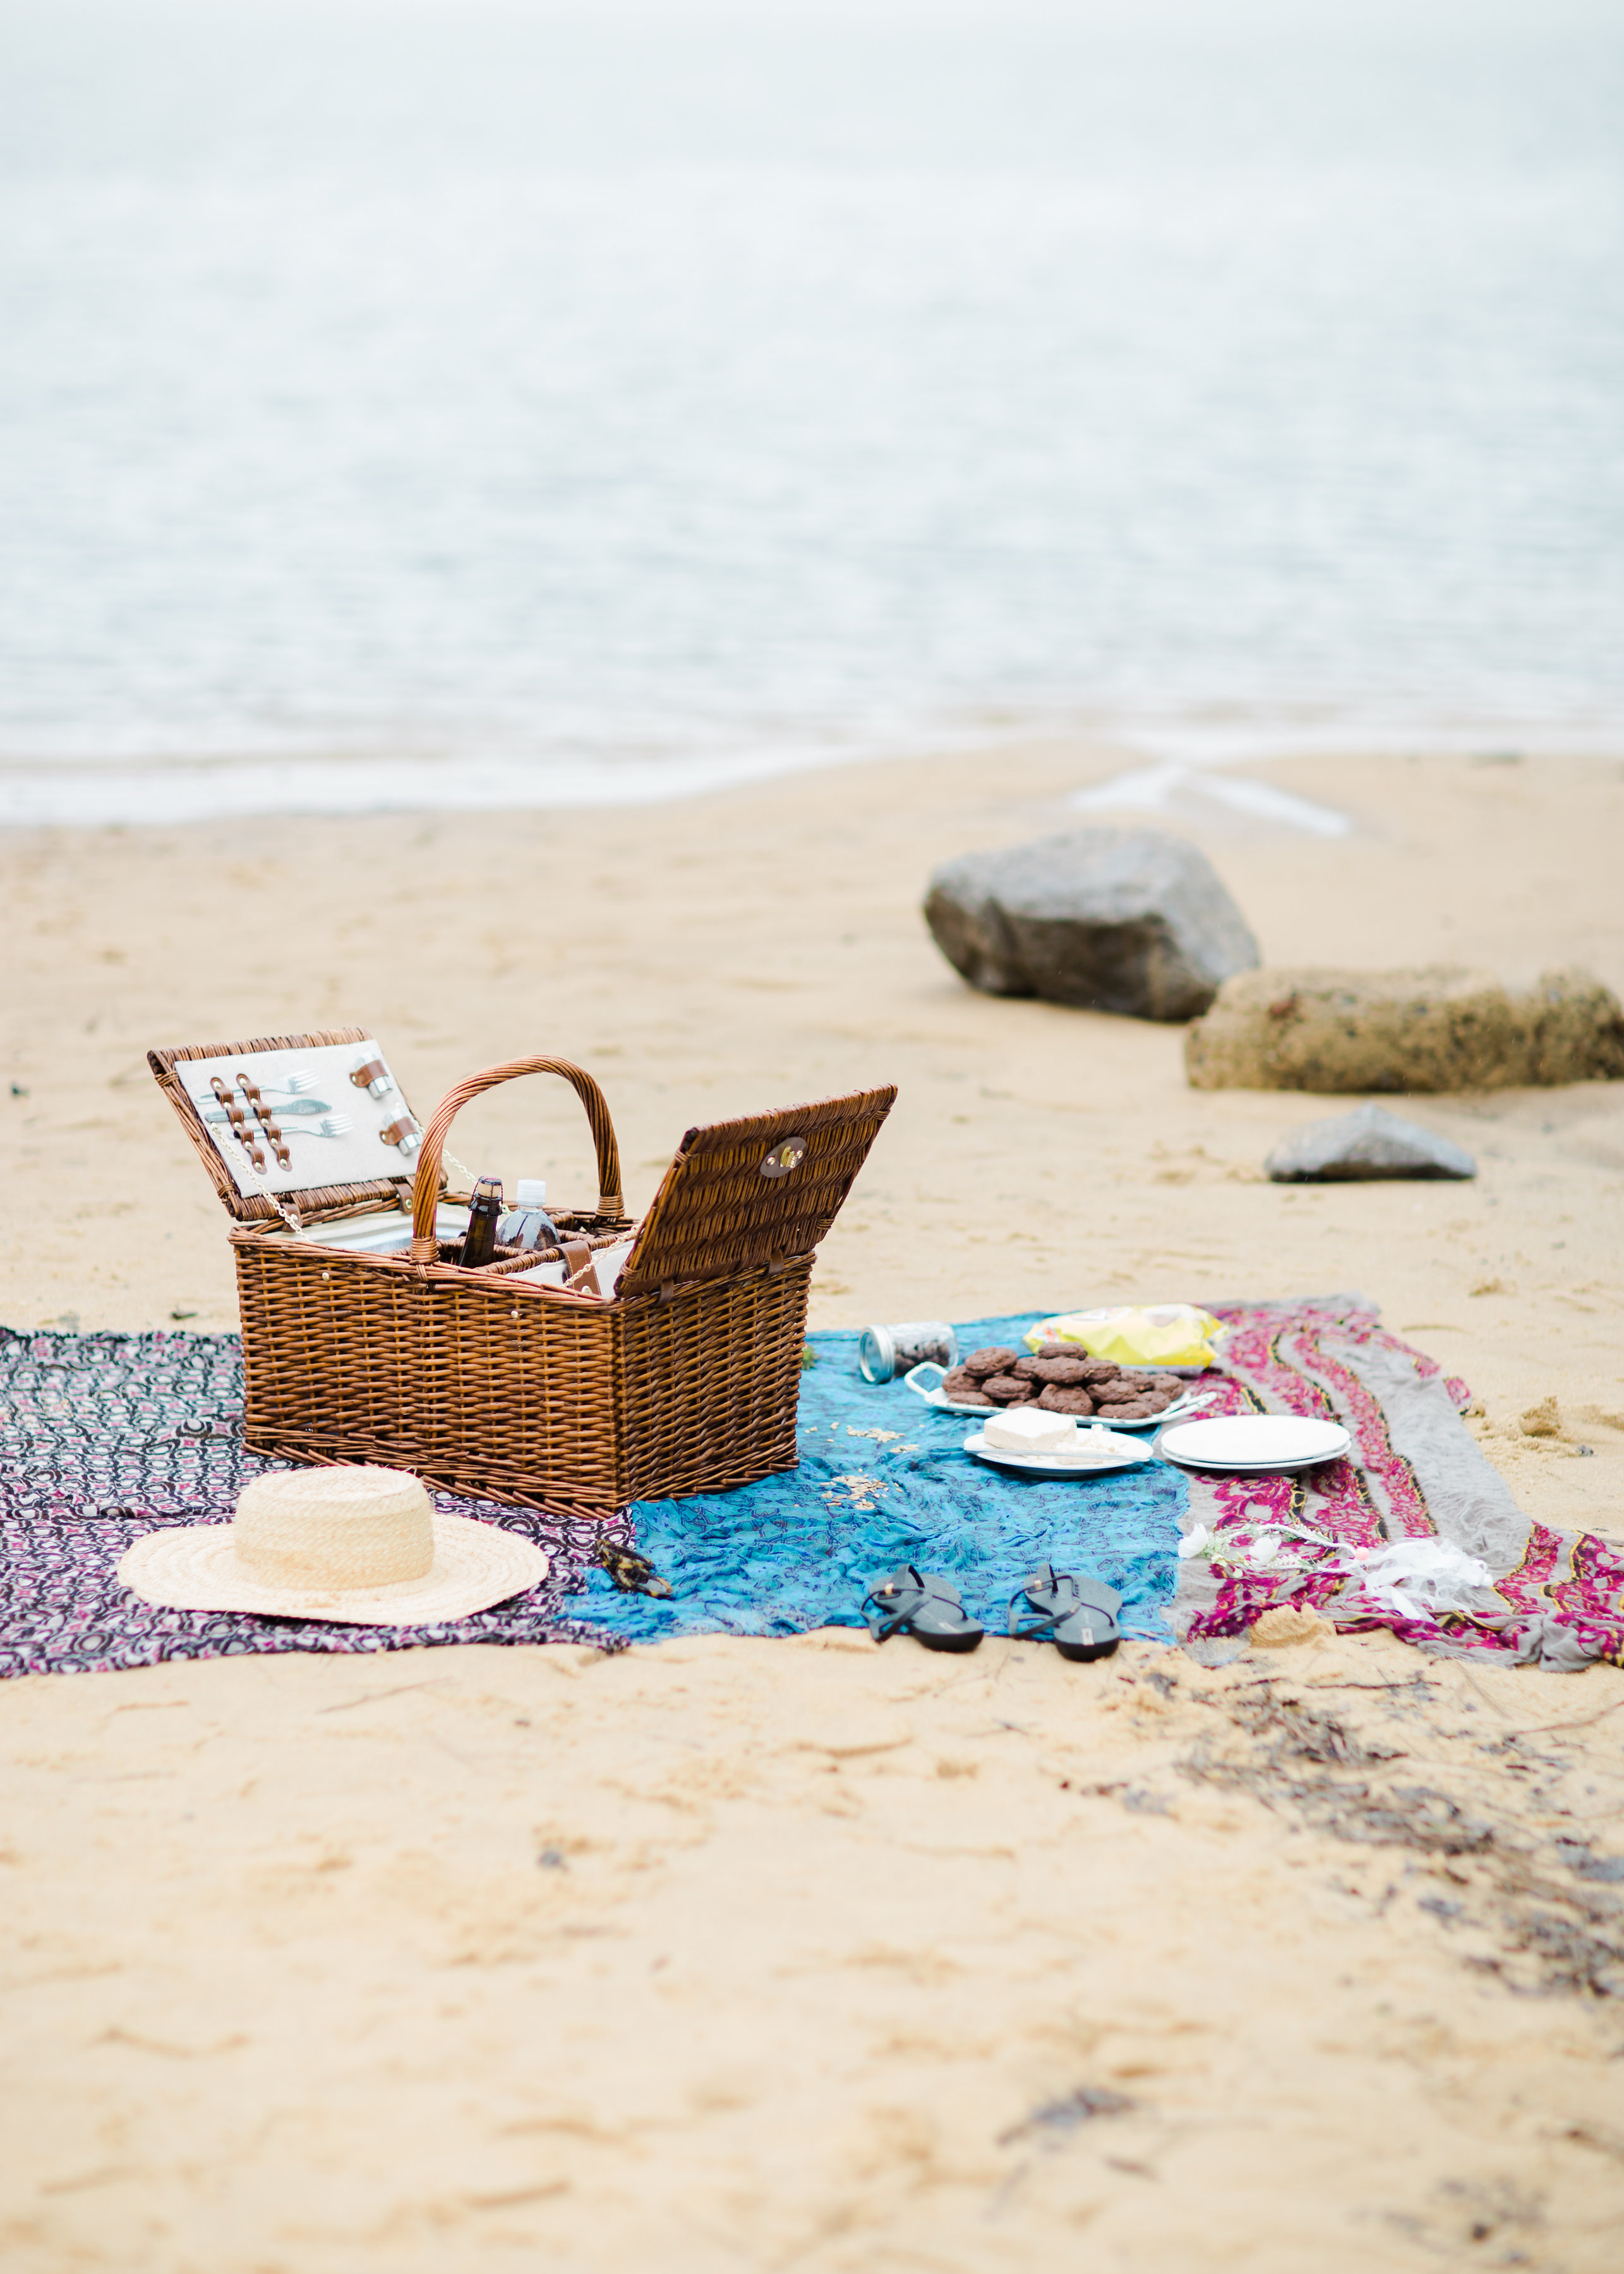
(1369, 1142)
(1435, 1029)
(1125, 920)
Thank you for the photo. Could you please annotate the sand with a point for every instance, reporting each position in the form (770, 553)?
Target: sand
(743, 1954)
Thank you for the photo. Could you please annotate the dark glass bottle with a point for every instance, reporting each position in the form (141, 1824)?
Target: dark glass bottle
(479, 1241)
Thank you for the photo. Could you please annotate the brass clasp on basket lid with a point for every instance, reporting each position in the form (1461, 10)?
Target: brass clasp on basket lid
(787, 1154)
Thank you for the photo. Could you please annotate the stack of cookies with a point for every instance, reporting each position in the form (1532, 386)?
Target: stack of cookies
(1061, 1379)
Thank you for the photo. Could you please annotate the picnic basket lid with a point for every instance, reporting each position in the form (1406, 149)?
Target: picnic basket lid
(755, 1191)
(308, 1182)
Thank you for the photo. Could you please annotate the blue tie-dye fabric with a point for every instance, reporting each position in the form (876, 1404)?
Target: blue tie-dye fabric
(883, 1480)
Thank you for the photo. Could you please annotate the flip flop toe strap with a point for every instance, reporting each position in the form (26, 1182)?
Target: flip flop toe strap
(910, 1599)
(892, 1602)
(1048, 1598)
(1057, 1607)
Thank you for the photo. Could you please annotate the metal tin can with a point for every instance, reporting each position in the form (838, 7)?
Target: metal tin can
(886, 1351)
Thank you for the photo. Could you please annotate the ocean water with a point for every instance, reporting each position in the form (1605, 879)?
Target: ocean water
(465, 404)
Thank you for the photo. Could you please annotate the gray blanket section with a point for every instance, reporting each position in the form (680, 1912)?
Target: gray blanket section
(1468, 1502)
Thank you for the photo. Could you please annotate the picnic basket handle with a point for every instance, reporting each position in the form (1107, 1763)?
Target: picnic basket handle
(425, 1185)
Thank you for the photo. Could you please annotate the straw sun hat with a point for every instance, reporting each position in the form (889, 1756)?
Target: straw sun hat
(365, 1546)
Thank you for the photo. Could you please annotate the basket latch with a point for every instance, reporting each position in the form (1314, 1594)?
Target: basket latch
(786, 1155)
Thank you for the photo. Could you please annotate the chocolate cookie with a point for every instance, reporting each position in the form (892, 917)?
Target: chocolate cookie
(1064, 1373)
(1100, 1369)
(1054, 1399)
(1130, 1409)
(1029, 1369)
(1007, 1389)
(963, 1388)
(981, 1363)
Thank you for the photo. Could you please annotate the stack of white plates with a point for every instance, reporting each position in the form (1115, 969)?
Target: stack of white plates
(1255, 1445)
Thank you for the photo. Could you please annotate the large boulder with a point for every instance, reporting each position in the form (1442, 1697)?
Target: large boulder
(1125, 920)
(1367, 1143)
(1439, 1027)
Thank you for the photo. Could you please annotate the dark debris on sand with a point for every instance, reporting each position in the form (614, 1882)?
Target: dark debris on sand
(1545, 1905)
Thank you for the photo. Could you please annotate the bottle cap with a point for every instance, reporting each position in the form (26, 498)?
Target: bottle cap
(532, 1192)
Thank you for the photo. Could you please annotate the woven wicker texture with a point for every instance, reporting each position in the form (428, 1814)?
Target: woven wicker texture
(717, 1212)
(535, 1396)
(426, 1183)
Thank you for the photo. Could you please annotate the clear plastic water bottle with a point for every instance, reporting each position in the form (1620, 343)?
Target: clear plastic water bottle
(527, 1225)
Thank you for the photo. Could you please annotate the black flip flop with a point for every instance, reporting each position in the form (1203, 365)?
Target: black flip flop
(920, 1604)
(1077, 1615)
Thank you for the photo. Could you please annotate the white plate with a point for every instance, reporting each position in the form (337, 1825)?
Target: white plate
(1256, 1443)
(1117, 1452)
(933, 1394)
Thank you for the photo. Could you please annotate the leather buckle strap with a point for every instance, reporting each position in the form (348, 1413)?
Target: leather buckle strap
(579, 1275)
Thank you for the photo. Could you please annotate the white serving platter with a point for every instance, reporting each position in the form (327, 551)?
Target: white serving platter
(1255, 1445)
(933, 1394)
(1103, 1457)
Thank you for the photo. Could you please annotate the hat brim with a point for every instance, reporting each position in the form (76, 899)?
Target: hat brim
(195, 1568)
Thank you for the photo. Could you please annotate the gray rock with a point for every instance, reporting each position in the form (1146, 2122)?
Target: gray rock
(1368, 1142)
(1125, 920)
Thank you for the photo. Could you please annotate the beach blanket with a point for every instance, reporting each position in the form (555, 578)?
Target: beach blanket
(884, 1480)
(103, 1438)
(1416, 1475)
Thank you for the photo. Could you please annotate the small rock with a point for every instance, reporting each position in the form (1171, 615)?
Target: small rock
(1288, 1625)
(1366, 1143)
(1125, 920)
(1436, 1029)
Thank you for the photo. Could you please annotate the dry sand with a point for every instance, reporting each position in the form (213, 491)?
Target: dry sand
(740, 1955)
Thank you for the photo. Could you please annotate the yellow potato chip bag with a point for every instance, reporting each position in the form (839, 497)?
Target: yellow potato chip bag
(1152, 1334)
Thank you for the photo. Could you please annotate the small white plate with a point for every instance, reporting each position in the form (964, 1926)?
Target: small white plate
(1109, 1453)
(925, 1381)
(1261, 1444)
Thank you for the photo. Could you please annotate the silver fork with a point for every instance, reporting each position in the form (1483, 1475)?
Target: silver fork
(337, 1124)
(300, 1108)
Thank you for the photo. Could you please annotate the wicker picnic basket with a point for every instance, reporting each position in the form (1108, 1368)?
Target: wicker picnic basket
(512, 1390)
